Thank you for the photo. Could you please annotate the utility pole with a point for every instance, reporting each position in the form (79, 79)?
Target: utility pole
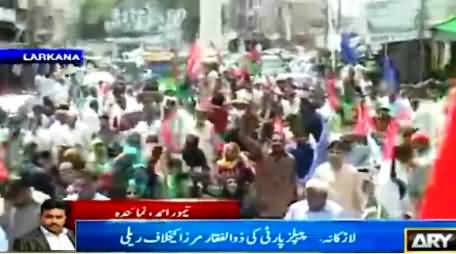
(339, 16)
(31, 24)
(28, 72)
(422, 29)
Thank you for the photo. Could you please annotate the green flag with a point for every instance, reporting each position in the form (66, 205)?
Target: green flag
(168, 84)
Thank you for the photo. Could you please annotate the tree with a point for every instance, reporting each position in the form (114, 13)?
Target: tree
(93, 13)
(93, 10)
(190, 25)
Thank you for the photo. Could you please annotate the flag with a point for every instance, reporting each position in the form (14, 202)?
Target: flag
(320, 151)
(390, 139)
(167, 132)
(332, 93)
(4, 172)
(363, 120)
(194, 61)
(167, 84)
(439, 201)
(348, 54)
(391, 75)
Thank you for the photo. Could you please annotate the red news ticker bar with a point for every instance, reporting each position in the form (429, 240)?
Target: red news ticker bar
(179, 209)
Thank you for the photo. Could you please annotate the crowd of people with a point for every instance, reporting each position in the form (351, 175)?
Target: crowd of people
(333, 147)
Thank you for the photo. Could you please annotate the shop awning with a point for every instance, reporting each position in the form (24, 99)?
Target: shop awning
(445, 30)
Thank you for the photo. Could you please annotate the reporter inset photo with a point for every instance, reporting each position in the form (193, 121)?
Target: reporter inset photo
(51, 235)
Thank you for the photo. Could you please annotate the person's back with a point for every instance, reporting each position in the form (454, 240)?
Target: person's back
(304, 155)
(23, 206)
(345, 186)
(20, 221)
(41, 181)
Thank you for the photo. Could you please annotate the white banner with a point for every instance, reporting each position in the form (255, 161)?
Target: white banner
(7, 15)
(393, 20)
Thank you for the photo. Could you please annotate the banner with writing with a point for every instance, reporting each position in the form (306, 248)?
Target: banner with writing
(250, 235)
(393, 20)
(170, 209)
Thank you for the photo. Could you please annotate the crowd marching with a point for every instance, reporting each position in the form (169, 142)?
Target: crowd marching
(337, 145)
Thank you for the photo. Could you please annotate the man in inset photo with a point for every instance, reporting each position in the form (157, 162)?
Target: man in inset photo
(51, 235)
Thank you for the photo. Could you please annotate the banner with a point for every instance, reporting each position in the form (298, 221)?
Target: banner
(393, 20)
(262, 236)
(152, 210)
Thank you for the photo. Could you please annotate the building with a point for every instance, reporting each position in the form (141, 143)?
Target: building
(8, 22)
(279, 19)
(307, 18)
(211, 27)
(45, 22)
(26, 23)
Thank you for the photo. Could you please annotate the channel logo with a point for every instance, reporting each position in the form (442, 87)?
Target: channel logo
(429, 240)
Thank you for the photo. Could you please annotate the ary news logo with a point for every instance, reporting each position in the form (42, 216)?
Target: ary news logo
(425, 240)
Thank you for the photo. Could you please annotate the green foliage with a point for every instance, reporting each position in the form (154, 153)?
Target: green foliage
(169, 4)
(94, 10)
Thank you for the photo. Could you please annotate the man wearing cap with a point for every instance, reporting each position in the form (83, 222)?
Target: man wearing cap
(316, 206)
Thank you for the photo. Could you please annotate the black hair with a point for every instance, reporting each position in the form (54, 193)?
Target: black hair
(47, 155)
(50, 204)
(15, 187)
(47, 101)
(93, 91)
(93, 104)
(64, 107)
(218, 99)
(153, 86)
(44, 155)
(192, 140)
(118, 90)
(152, 139)
(337, 144)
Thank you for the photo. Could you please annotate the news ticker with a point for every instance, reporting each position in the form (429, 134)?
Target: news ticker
(205, 236)
(42, 55)
(180, 209)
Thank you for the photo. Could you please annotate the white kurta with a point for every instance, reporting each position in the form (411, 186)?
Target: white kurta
(207, 140)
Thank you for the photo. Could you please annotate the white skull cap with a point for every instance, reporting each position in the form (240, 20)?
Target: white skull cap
(317, 184)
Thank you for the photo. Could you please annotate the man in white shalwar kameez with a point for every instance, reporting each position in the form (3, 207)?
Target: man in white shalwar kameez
(204, 129)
